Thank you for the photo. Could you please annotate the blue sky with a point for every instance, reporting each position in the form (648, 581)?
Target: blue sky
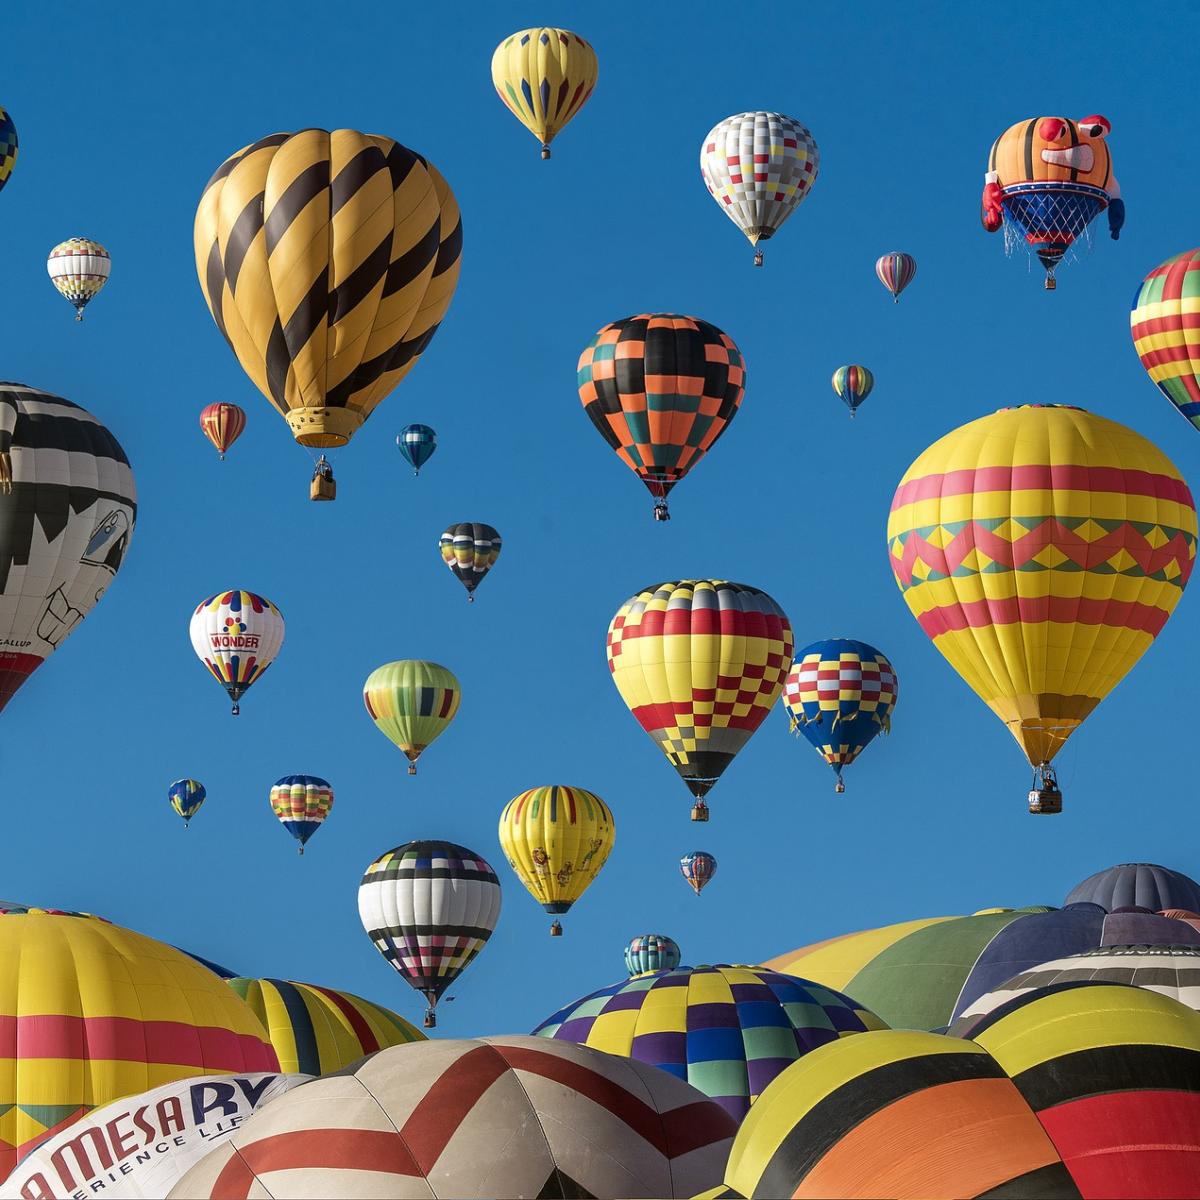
(904, 107)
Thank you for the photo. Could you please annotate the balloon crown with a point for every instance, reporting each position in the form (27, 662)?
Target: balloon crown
(1018, 407)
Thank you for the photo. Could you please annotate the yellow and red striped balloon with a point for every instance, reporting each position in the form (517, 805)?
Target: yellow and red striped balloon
(1165, 323)
(1042, 549)
(222, 425)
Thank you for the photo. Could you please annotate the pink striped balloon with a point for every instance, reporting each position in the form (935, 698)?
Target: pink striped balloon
(895, 270)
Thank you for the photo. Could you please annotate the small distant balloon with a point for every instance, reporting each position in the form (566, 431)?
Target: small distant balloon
(470, 550)
(412, 702)
(222, 425)
(895, 271)
(8, 146)
(186, 797)
(79, 268)
(236, 635)
(853, 385)
(417, 443)
(651, 952)
(698, 868)
(301, 802)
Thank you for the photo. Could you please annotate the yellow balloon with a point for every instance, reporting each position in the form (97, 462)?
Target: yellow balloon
(545, 77)
(556, 839)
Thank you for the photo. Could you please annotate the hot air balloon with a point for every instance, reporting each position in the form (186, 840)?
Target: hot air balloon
(412, 702)
(222, 425)
(853, 385)
(430, 908)
(839, 695)
(651, 952)
(8, 146)
(327, 261)
(545, 77)
(65, 523)
(301, 802)
(1048, 178)
(895, 270)
(661, 389)
(1042, 549)
(186, 797)
(79, 268)
(759, 167)
(727, 648)
(1165, 335)
(556, 840)
(237, 636)
(417, 443)
(470, 550)
(698, 868)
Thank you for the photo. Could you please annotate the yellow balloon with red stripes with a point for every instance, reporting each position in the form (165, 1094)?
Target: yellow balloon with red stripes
(1042, 548)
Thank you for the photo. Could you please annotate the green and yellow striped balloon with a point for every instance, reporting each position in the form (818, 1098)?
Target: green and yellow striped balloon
(412, 702)
(327, 261)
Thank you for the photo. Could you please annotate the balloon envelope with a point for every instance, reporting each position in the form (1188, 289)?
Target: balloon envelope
(302, 803)
(186, 796)
(470, 549)
(412, 702)
(651, 952)
(237, 636)
(79, 268)
(222, 424)
(417, 443)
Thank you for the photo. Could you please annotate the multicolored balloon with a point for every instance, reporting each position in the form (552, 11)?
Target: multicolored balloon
(651, 952)
(237, 635)
(698, 867)
(417, 443)
(699, 662)
(853, 385)
(470, 550)
(301, 802)
(556, 840)
(8, 146)
(222, 424)
(79, 268)
(1048, 178)
(430, 908)
(545, 77)
(412, 702)
(1165, 334)
(65, 524)
(1024, 540)
(839, 694)
(895, 270)
(354, 298)
(759, 167)
(661, 389)
(186, 797)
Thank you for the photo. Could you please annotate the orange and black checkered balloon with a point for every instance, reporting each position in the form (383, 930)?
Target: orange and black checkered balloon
(661, 389)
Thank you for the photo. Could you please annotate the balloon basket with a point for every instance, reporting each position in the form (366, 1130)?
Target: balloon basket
(1051, 283)
(699, 811)
(412, 768)
(839, 787)
(660, 511)
(555, 929)
(545, 151)
(430, 1021)
(758, 258)
(236, 709)
(322, 488)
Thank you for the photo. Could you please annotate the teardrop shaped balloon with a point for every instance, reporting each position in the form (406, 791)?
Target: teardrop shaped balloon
(327, 261)
(700, 662)
(222, 424)
(853, 385)
(412, 702)
(8, 146)
(839, 694)
(651, 952)
(1042, 549)
(301, 802)
(430, 908)
(79, 268)
(661, 389)
(417, 443)
(65, 523)
(759, 167)
(186, 796)
(698, 868)
(1165, 333)
(470, 550)
(895, 270)
(545, 77)
(237, 636)
(556, 839)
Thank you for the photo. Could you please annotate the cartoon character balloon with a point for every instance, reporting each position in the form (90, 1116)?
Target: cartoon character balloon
(661, 389)
(556, 840)
(430, 908)
(759, 167)
(412, 702)
(222, 424)
(839, 694)
(545, 77)
(852, 385)
(698, 867)
(1042, 549)
(302, 803)
(1165, 331)
(327, 261)
(237, 636)
(79, 268)
(470, 549)
(66, 517)
(186, 797)
(699, 662)
(417, 443)
(1048, 178)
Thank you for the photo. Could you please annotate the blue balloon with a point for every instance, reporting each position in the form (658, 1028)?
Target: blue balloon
(651, 952)
(417, 443)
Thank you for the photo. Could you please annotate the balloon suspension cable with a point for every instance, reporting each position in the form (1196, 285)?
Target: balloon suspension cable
(758, 258)
(699, 811)
(556, 929)
(545, 151)
(660, 511)
(412, 768)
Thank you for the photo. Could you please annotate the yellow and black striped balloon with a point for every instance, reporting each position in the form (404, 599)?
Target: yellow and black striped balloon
(327, 261)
